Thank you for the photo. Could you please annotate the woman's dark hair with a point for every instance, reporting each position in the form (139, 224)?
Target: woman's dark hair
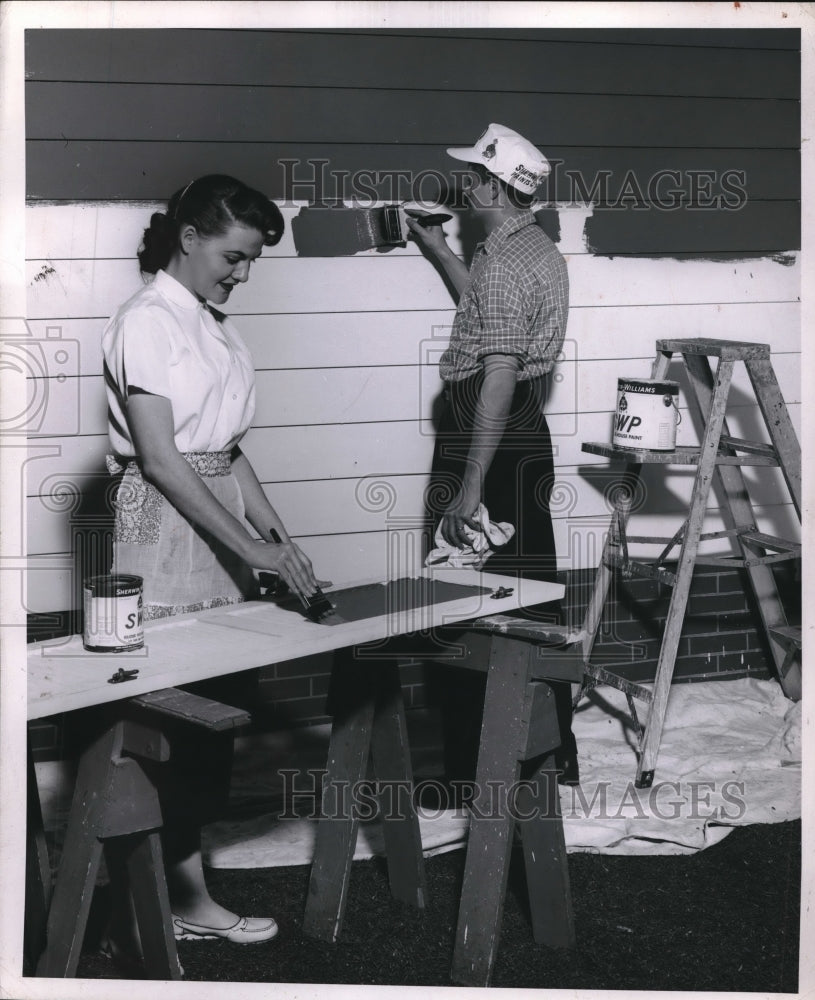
(211, 204)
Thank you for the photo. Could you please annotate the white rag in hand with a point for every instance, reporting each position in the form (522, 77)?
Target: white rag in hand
(482, 542)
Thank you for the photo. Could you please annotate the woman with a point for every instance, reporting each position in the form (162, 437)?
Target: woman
(180, 387)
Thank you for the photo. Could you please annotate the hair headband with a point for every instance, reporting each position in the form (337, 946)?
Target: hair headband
(181, 198)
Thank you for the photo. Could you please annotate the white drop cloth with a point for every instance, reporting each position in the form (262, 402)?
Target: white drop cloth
(730, 756)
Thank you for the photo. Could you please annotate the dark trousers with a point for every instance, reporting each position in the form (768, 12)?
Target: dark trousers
(517, 489)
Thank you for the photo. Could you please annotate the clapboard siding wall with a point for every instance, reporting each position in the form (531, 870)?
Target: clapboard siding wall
(347, 382)
(346, 347)
(629, 119)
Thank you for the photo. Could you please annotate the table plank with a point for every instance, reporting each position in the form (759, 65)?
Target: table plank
(63, 676)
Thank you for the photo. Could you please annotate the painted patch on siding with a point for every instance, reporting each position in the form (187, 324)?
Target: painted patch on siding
(339, 231)
(758, 229)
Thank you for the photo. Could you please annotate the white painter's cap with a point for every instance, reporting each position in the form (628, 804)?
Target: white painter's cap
(508, 155)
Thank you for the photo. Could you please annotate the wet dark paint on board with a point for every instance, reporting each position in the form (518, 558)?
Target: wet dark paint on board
(373, 600)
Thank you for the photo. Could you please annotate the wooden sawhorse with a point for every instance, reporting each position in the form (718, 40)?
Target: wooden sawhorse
(115, 808)
(519, 729)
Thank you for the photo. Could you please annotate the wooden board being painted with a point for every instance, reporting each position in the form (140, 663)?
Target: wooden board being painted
(62, 676)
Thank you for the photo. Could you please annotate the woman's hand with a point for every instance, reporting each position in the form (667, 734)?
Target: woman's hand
(289, 561)
(279, 554)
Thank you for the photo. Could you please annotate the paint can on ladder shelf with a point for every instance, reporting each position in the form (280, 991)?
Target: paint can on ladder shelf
(647, 414)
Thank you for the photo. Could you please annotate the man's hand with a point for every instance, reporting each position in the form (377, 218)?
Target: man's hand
(460, 513)
(432, 241)
(432, 238)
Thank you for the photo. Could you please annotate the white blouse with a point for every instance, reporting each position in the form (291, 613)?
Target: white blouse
(165, 341)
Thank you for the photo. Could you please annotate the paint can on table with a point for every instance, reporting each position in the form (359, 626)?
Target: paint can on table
(647, 414)
(113, 613)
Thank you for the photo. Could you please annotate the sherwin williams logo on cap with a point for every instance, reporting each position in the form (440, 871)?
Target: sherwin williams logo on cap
(489, 151)
(521, 177)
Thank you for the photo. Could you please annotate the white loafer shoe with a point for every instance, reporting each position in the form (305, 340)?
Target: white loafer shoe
(245, 930)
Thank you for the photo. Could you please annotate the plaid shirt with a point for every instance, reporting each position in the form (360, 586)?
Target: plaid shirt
(516, 302)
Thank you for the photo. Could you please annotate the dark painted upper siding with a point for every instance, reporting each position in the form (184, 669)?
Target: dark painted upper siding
(133, 114)
(643, 62)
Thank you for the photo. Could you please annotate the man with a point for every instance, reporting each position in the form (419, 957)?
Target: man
(493, 445)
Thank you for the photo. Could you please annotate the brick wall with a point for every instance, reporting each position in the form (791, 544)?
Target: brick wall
(720, 641)
(720, 638)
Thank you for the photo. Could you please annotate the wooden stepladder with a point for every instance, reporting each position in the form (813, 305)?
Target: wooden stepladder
(719, 457)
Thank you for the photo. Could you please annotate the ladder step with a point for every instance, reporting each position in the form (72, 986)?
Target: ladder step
(706, 536)
(771, 542)
(751, 447)
(776, 557)
(681, 455)
(603, 676)
(787, 634)
(652, 571)
(730, 350)
(740, 562)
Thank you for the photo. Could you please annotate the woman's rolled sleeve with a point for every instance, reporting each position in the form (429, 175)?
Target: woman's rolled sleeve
(145, 355)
